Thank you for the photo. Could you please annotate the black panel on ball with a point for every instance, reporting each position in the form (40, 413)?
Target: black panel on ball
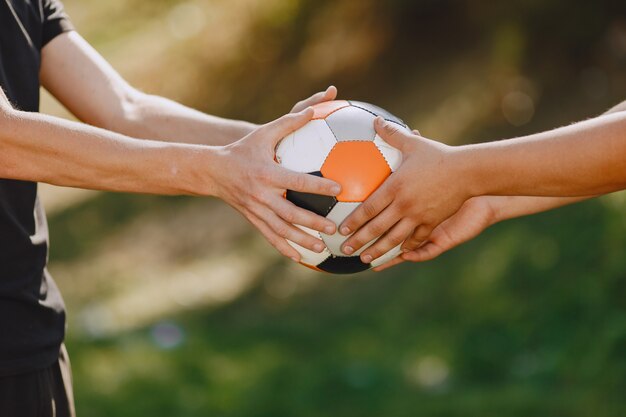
(318, 204)
(377, 111)
(343, 265)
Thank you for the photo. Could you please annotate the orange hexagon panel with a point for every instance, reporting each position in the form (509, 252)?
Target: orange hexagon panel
(323, 110)
(358, 166)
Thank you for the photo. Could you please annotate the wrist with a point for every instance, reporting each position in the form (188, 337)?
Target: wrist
(467, 171)
(194, 170)
(496, 208)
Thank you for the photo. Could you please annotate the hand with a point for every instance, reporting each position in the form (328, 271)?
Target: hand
(329, 95)
(425, 191)
(476, 215)
(254, 184)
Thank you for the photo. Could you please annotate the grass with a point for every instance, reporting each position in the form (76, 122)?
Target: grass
(542, 335)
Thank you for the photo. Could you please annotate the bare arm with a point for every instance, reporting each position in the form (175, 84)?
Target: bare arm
(586, 158)
(41, 148)
(557, 167)
(80, 78)
(35, 147)
(508, 207)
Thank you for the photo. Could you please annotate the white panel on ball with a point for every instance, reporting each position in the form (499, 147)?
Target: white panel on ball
(308, 256)
(352, 123)
(306, 149)
(391, 154)
(337, 215)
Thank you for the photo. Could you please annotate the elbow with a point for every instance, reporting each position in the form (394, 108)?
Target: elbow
(6, 110)
(7, 116)
(7, 125)
(125, 116)
(131, 108)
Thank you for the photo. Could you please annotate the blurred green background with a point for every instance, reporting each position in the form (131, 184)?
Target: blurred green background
(178, 308)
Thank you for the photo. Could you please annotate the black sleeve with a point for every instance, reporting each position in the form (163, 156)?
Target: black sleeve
(55, 20)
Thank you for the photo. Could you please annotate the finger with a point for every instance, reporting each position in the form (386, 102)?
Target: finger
(328, 95)
(413, 242)
(392, 133)
(422, 233)
(416, 132)
(394, 237)
(419, 238)
(311, 101)
(291, 232)
(389, 264)
(276, 241)
(372, 230)
(275, 131)
(293, 214)
(370, 208)
(305, 183)
(426, 252)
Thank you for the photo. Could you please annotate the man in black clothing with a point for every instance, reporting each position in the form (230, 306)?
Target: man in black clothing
(38, 43)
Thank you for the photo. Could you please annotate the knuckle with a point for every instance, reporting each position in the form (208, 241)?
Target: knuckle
(287, 121)
(378, 229)
(395, 239)
(391, 129)
(423, 233)
(298, 182)
(289, 216)
(282, 230)
(368, 209)
(403, 203)
(327, 187)
(411, 244)
(265, 175)
(260, 198)
(310, 220)
(428, 219)
(356, 241)
(377, 250)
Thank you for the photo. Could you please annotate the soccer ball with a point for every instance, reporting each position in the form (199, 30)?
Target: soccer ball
(340, 143)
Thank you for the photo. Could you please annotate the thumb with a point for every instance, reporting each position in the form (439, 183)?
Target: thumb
(275, 131)
(392, 133)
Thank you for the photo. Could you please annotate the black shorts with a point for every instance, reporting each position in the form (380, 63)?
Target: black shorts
(43, 393)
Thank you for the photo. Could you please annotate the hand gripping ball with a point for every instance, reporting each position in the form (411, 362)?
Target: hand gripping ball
(340, 143)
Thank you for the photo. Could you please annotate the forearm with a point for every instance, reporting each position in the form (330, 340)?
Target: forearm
(509, 207)
(158, 118)
(80, 78)
(35, 147)
(587, 158)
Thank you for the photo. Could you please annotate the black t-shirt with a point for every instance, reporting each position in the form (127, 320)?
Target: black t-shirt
(32, 315)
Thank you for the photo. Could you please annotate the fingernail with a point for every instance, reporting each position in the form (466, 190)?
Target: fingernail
(295, 259)
(336, 190)
(345, 231)
(329, 230)
(367, 259)
(381, 121)
(405, 250)
(318, 247)
(348, 250)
